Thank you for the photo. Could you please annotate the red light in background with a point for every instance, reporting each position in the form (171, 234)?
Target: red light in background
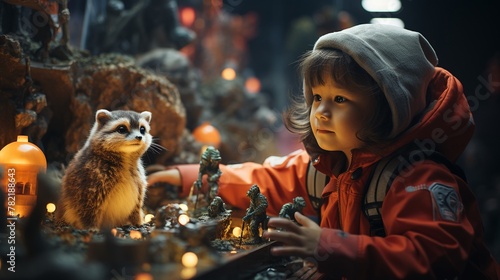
(187, 16)
(252, 85)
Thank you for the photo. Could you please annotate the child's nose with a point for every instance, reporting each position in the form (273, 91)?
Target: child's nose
(322, 112)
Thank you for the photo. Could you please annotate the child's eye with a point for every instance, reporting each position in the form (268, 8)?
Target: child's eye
(316, 97)
(122, 129)
(340, 99)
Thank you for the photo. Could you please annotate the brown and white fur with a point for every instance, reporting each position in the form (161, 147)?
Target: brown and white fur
(105, 183)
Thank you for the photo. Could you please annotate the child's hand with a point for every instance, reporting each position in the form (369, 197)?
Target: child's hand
(170, 176)
(297, 240)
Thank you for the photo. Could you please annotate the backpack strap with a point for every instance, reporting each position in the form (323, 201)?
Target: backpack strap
(379, 183)
(315, 183)
(383, 175)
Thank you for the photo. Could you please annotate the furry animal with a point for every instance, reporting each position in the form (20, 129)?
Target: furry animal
(105, 183)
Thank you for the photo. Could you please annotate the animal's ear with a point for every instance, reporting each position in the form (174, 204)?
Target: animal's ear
(146, 115)
(102, 116)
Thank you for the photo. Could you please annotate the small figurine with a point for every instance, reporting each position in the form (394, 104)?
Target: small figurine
(167, 216)
(288, 209)
(216, 207)
(256, 213)
(209, 165)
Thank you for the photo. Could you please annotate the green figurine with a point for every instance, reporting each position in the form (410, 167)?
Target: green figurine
(209, 165)
(256, 214)
(288, 209)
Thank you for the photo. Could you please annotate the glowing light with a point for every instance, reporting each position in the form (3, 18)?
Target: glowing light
(114, 231)
(237, 231)
(143, 276)
(252, 85)
(189, 259)
(183, 207)
(51, 207)
(21, 161)
(388, 21)
(183, 219)
(228, 74)
(148, 218)
(234, 252)
(381, 5)
(188, 15)
(207, 134)
(188, 273)
(134, 234)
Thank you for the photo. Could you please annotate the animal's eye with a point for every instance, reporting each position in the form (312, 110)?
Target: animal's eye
(340, 99)
(142, 130)
(122, 129)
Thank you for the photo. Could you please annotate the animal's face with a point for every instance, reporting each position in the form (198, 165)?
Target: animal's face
(124, 131)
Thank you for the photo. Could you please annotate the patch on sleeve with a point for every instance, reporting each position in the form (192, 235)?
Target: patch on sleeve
(447, 203)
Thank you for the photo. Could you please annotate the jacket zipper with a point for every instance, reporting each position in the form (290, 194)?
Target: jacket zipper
(340, 178)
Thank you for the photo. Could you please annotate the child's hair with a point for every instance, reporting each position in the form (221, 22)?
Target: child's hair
(317, 67)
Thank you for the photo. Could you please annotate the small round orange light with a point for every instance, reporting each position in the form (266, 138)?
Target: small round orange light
(252, 85)
(189, 259)
(183, 219)
(228, 74)
(207, 134)
(237, 232)
(187, 16)
(51, 207)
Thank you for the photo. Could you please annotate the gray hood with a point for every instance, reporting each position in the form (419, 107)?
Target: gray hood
(401, 62)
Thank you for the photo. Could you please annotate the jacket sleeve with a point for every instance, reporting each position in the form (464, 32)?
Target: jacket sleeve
(428, 233)
(280, 179)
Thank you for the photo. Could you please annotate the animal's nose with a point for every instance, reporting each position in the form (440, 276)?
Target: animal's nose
(138, 137)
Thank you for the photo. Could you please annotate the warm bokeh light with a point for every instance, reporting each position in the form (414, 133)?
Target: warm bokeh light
(21, 162)
(207, 134)
(51, 207)
(114, 231)
(188, 273)
(134, 234)
(228, 74)
(183, 219)
(187, 16)
(148, 218)
(183, 207)
(143, 276)
(237, 231)
(252, 85)
(189, 259)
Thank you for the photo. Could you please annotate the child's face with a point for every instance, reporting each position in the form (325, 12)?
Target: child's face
(337, 115)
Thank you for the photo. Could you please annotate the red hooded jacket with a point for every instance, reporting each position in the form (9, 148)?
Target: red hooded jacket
(432, 223)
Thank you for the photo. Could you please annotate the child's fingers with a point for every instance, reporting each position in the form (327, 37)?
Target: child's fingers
(304, 221)
(283, 223)
(285, 237)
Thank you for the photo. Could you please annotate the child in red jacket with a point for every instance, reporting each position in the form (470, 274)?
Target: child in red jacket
(370, 91)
